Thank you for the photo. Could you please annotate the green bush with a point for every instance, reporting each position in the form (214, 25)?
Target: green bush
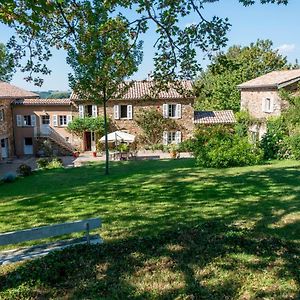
(42, 163)
(187, 145)
(49, 163)
(55, 163)
(24, 170)
(221, 147)
(294, 143)
(272, 142)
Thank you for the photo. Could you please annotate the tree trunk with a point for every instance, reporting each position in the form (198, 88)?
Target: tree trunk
(106, 140)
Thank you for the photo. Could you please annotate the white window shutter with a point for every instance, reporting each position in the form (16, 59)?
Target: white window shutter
(69, 119)
(178, 137)
(129, 112)
(116, 112)
(178, 111)
(165, 110)
(19, 121)
(271, 105)
(165, 137)
(33, 120)
(94, 111)
(81, 111)
(55, 120)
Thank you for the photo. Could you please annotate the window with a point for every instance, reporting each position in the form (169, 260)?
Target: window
(46, 120)
(172, 110)
(63, 121)
(27, 120)
(123, 111)
(28, 141)
(89, 110)
(268, 105)
(171, 137)
(1, 114)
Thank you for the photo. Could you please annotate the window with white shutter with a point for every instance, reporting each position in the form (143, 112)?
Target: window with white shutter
(69, 119)
(33, 120)
(55, 121)
(80, 110)
(129, 112)
(116, 112)
(94, 111)
(178, 111)
(165, 110)
(19, 121)
(178, 137)
(165, 137)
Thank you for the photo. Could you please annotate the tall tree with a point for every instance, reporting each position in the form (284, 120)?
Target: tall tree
(102, 56)
(6, 64)
(217, 86)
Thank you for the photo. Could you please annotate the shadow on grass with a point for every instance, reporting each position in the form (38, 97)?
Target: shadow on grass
(207, 261)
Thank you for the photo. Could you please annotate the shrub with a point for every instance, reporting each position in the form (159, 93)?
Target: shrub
(157, 147)
(153, 125)
(24, 170)
(42, 163)
(9, 177)
(272, 141)
(187, 145)
(55, 163)
(220, 147)
(294, 144)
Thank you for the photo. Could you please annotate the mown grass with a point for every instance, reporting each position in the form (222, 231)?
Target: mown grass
(171, 231)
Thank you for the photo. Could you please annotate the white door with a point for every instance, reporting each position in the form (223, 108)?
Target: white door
(28, 146)
(45, 125)
(4, 148)
(93, 141)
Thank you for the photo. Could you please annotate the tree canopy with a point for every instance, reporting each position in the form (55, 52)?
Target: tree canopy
(42, 24)
(6, 64)
(217, 86)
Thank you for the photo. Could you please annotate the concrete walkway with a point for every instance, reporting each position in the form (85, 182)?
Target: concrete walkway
(11, 166)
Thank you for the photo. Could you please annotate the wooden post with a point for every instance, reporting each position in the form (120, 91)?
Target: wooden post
(88, 233)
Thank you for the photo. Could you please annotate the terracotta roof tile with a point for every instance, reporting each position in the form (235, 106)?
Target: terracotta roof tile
(66, 101)
(143, 89)
(9, 91)
(214, 117)
(274, 79)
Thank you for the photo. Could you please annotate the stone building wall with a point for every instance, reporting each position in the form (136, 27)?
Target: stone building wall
(185, 123)
(6, 127)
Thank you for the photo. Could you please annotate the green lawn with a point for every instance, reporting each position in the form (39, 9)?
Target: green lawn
(171, 231)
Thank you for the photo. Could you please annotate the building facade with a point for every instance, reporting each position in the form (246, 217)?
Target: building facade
(261, 96)
(8, 94)
(38, 120)
(123, 112)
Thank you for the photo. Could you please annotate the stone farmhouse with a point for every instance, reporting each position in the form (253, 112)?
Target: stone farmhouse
(261, 97)
(26, 121)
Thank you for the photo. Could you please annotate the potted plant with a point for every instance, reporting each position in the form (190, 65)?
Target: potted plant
(173, 150)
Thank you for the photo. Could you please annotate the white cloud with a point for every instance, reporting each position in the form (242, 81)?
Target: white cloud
(286, 48)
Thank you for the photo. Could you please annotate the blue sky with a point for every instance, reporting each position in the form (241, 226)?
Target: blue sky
(278, 23)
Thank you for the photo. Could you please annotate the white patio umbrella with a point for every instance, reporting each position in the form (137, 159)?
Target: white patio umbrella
(119, 136)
